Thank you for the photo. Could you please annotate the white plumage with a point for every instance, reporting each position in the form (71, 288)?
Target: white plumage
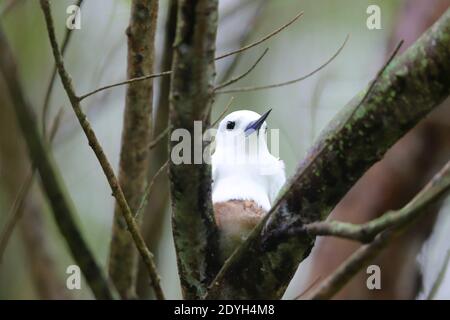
(246, 177)
(242, 166)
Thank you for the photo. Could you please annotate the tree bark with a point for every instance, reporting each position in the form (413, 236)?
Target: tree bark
(412, 86)
(136, 136)
(191, 97)
(153, 217)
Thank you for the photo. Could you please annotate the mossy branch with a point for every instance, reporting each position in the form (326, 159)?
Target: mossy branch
(436, 189)
(191, 96)
(410, 88)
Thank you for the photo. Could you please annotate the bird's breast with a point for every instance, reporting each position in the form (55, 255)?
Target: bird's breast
(235, 219)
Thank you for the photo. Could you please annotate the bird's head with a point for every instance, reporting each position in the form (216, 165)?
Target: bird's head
(239, 127)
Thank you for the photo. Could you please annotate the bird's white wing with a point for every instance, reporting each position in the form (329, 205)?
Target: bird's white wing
(277, 181)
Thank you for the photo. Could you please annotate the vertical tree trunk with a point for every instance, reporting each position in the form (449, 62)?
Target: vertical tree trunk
(136, 136)
(191, 97)
(154, 214)
(14, 170)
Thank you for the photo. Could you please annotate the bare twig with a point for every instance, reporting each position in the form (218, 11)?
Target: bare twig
(133, 80)
(62, 207)
(267, 37)
(217, 58)
(441, 275)
(435, 190)
(377, 77)
(48, 92)
(285, 83)
(364, 233)
(147, 256)
(158, 138)
(224, 112)
(149, 187)
(16, 211)
(250, 27)
(308, 288)
(236, 79)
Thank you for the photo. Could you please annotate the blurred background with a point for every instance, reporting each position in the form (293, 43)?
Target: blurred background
(35, 260)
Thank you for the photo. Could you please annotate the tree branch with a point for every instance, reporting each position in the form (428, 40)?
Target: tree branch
(250, 27)
(265, 38)
(17, 211)
(129, 81)
(62, 207)
(237, 78)
(411, 87)
(191, 96)
(432, 192)
(286, 83)
(440, 277)
(136, 135)
(48, 92)
(98, 150)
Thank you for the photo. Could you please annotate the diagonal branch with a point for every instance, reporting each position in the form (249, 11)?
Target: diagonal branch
(48, 93)
(411, 87)
(17, 211)
(237, 78)
(117, 192)
(265, 38)
(129, 81)
(136, 135)
(62, 208)
(436, 189)
(286, 83)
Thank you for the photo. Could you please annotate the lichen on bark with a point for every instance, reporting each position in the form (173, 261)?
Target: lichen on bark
(411, 86)
(191, 97)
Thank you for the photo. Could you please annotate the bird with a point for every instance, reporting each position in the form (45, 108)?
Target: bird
(246, 177)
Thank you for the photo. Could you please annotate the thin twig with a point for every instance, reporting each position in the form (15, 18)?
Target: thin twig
(159, 138)
(441, 275)
(377, 77)
(217, 58)
(16, 211)
(62, 208)
(148, 189)
(364, 232)
(236, 79)
(437, 188)
(309, 287)
(251, 25)
(117, 192)
(285, 83)
(48, 92)
(224, 112)
(267, 37)
(137, 79)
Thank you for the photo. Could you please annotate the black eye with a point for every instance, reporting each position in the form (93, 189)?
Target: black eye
(230, 125)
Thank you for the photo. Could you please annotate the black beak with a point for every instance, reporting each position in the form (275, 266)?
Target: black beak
(255, 125)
